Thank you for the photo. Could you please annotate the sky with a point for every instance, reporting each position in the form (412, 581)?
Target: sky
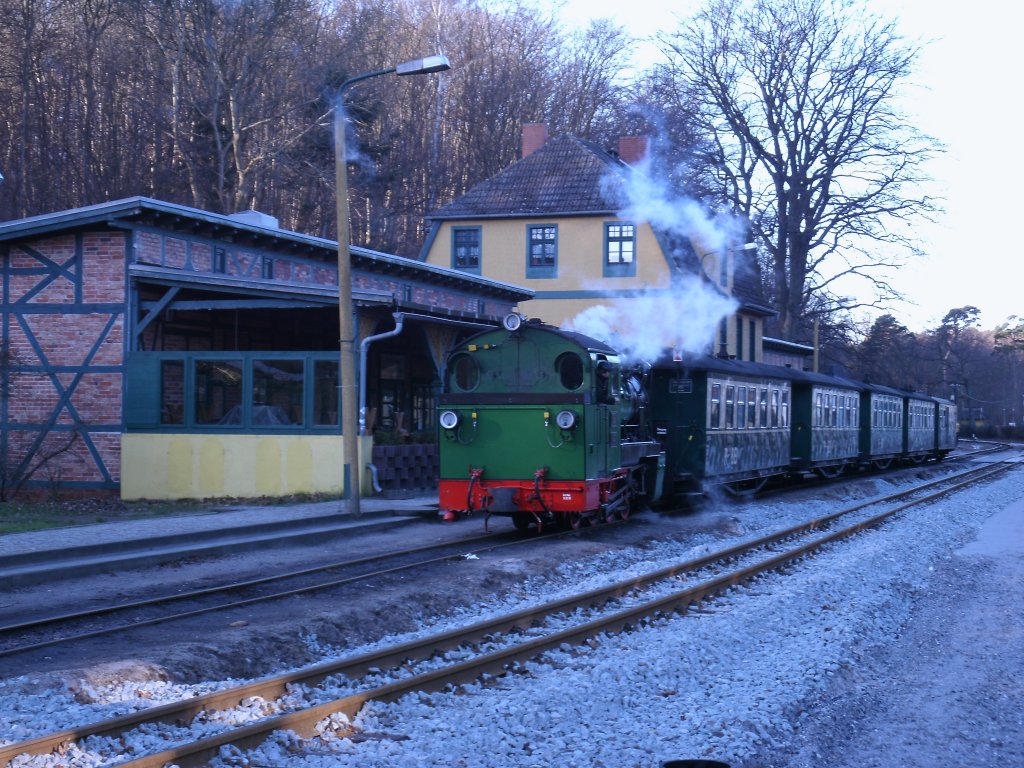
(966, 90)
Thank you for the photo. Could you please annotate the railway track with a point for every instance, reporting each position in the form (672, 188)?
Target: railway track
(40, 632)
(333, 692)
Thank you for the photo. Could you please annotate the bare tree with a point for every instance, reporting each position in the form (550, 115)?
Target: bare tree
(227, 104)
(797, 100)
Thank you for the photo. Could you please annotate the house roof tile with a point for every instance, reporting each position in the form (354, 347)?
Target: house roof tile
(567, 175)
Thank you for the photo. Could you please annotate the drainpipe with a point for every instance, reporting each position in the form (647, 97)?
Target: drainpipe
(364, 347)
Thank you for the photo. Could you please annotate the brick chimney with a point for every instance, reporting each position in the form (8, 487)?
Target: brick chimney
(534, 136)
(632, 149)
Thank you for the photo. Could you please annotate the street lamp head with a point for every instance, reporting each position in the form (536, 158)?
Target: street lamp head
(435, 63)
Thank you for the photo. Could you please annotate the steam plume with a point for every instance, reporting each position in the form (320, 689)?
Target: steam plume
(685, 316)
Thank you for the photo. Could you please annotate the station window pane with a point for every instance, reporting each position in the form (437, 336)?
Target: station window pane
(325, 393)
(277, 387)
(218, 392)
(466, 249)
(542, 250)
(172, 392)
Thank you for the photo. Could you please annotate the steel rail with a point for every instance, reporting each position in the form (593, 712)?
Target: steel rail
(180, 713)
(103, 611)
(304, 722)
(229, 587)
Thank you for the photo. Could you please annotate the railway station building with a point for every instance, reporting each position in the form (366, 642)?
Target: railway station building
(558, 221)
(165, 352)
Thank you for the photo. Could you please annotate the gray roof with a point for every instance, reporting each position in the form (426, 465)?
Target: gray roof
(569, 176)
(174, 216)
(565, 176)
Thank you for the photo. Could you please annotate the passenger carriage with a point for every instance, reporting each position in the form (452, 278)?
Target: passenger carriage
(826, 424)
(881, 422)
(945, 427)
(920, 436)
(721, 421)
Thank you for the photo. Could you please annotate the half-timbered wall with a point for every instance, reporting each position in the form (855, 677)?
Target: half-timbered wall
(82, 303)
(63, 327)
(194, 254)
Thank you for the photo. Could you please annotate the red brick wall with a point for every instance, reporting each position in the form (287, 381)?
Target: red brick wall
(57, 376)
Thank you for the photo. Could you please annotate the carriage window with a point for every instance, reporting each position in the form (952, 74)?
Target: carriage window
(784, 410)
(741, 407)
(570, 370)
(730, 407)
(775, 407)
(465, 374)
(817, 409)
(764, 408)
(752, 407)
(715, 414)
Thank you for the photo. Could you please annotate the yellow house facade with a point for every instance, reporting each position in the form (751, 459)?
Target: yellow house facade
(551, 222)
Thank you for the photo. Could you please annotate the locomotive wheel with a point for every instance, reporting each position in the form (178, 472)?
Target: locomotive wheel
(575, 520)
(624, 511)
(522, 521)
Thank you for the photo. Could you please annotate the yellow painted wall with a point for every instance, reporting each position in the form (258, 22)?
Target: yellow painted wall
(581, 266)
(189, 466)
(580, 261)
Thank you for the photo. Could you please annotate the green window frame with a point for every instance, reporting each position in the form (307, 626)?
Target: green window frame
(619, 249)
(228, 391)
(467, 249)
(541, 250)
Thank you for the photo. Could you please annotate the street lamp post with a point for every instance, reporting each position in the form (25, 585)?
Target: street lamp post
(346, 319)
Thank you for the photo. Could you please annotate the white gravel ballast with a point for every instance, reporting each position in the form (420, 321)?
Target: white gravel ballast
(786, 671)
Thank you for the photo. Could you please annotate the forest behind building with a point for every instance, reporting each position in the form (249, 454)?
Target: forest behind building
(784, 115)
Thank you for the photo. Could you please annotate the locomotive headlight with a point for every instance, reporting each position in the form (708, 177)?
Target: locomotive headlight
(512, 321)
(449, 419)
(566, 419)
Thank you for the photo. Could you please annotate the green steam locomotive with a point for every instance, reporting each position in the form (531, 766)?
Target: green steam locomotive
(549, 426)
